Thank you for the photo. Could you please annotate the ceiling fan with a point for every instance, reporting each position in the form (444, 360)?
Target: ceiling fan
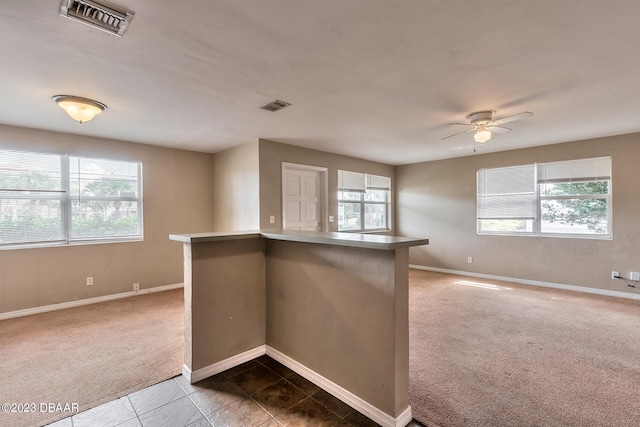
(483, 124)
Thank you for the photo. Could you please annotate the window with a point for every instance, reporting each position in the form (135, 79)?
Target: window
(57, 199)
(569, 198)
(363, 202)
(575, 197)
(507, 200)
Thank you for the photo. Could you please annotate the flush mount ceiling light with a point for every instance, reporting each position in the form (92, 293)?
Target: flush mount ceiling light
(79, 109)
(483, 124)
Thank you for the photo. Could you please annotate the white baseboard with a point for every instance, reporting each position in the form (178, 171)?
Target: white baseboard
(341, 393)
(404, 418)
(584, 289)
(223, 365)
(87, 301)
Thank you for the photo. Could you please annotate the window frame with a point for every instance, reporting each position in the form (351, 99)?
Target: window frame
(537, 227)
(363, 203)
(66, 198)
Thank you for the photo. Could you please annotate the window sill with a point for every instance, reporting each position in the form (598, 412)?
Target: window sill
(68, 244)
(557, 236)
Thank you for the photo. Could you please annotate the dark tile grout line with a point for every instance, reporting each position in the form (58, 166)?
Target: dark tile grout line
(260, 360)
(245, 368)
(308, 395)
(246, 395)
(194, 403)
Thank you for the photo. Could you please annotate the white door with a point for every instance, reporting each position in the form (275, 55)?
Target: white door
(302, 199)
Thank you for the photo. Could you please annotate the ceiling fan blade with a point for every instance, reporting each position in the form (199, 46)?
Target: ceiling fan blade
(512, 118)
(461, 124)
(498, 129)
(460, 133)
(464, 147)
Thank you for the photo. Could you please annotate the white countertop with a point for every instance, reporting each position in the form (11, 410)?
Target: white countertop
(357, 240)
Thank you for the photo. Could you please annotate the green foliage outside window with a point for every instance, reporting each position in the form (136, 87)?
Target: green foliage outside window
(564, 209)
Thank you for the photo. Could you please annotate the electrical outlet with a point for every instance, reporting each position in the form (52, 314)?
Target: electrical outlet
(635, 276)
(272, 219)
(331, 218)
(136, 287)
(89, 280)
(615, 274)
(469, 260)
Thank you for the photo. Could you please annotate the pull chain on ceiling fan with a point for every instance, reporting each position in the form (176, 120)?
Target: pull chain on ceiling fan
(482, 123)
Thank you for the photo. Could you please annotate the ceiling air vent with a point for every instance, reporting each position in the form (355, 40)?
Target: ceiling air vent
(102, 15)
(276, 105)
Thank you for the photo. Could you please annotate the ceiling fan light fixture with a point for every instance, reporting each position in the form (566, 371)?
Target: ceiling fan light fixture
(482, 136)
(79, 109)
(483, 125)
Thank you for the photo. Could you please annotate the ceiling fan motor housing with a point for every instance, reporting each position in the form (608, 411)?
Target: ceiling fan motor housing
(481, 117)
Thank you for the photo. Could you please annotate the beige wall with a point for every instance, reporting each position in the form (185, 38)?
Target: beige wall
(272, 154)
(437, 200)
(225, 300)
(343, 313)
(178, 198)
(236, 188)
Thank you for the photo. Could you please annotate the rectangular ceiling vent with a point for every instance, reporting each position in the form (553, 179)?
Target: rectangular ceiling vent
(101, 15)
(276, 105)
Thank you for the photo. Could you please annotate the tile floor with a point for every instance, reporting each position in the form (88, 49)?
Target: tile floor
(261, 392)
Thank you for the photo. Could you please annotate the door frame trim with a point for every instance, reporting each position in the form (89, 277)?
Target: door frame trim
(324, 185)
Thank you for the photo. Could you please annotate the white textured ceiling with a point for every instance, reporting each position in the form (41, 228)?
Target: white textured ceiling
(366, 78)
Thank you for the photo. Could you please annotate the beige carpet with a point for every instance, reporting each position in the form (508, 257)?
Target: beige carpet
(484, 353)
(89, 355)
(489, 353)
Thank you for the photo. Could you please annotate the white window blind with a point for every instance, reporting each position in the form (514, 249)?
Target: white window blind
(594, 169)
(58, 199)
(507, 193)
(105, 198)
(31, 197)
(375, 182)
(351, 181)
